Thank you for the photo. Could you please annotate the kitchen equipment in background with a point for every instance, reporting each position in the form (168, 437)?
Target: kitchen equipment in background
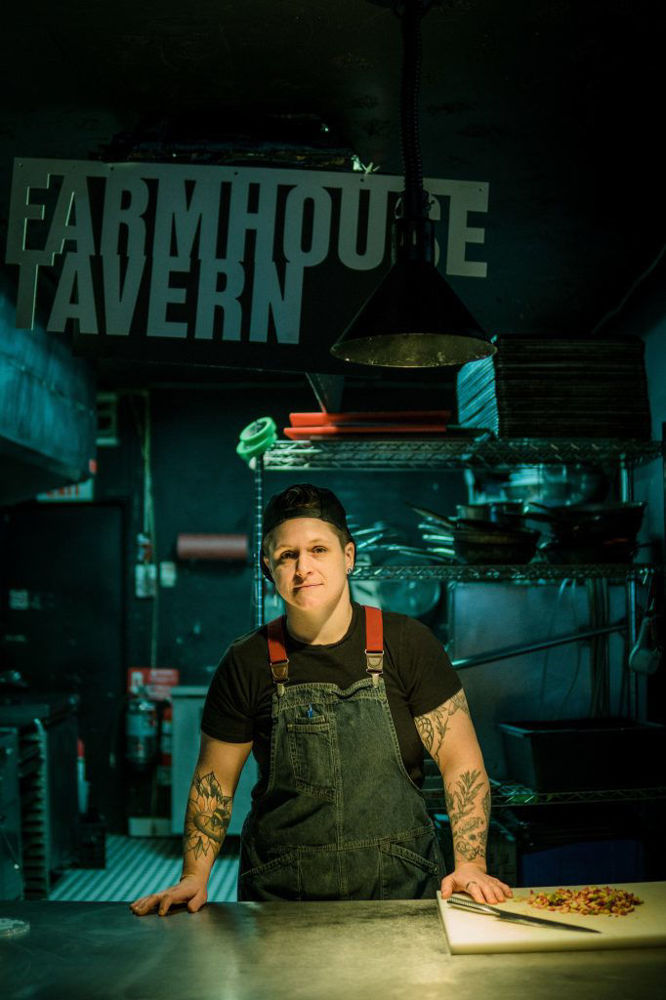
(417, 422)
(321, 418)
(574, 754)
(578, 482)
(537, 483)
(46, 725)
(472, 933)
(478, 547)
(433, 516)
(480, 542)
(508, 512)
(558, 387)
(590, 533)
(365, 430)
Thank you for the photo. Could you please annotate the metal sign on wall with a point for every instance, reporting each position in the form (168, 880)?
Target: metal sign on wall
(237, 266)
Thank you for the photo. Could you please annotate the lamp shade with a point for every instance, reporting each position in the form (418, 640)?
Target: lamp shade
(413, 320)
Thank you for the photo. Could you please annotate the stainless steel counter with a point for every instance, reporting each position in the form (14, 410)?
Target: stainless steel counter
(301, 951)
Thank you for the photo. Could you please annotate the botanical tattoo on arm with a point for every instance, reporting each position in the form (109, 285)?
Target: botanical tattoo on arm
(207, 817)
(468, 804)
(433, 726)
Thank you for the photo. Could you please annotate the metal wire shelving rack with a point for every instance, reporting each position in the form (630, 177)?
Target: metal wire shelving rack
(534, 572)
(476, 451)
(473, 450)
(391, 455)
(507, 794)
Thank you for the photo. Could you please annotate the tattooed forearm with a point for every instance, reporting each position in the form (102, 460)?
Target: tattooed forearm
(207, 817)
(433, 726)
(468, 804)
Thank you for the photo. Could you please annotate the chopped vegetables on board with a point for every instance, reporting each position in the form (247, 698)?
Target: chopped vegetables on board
(592, 899)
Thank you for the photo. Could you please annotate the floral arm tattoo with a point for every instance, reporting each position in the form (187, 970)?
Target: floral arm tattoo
(432, 727)
(207, 818)
(468, 805)
(466, 790)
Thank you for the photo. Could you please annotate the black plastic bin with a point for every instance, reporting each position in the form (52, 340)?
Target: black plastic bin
(574, 754)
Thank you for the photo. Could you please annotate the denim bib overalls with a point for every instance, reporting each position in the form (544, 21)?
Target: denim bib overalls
(340, 817)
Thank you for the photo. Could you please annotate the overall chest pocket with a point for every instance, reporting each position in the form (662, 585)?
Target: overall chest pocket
(310, 742)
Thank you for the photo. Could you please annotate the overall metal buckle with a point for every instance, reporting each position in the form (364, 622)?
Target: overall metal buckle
(280, 672)
(375, 664)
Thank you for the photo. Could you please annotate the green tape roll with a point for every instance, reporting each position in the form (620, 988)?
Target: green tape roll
(256, 438)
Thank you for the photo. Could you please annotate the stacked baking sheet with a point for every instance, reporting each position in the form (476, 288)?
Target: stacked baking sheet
(558, 387)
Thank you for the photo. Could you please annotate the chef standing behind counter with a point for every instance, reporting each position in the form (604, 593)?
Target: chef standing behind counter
(337, 701)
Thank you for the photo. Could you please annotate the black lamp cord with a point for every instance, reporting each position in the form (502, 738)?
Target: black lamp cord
(413, 232)
(415, 199)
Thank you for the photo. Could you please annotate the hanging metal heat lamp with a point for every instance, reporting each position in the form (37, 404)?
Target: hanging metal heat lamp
(413, 319)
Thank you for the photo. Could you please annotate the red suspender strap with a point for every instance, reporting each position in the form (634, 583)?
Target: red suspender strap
(374, 643)
(277, 653)
(374, 648)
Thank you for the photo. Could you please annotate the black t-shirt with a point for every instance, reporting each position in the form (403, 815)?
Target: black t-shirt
(417, 673)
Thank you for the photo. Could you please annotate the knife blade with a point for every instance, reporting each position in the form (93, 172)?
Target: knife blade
(492, 911)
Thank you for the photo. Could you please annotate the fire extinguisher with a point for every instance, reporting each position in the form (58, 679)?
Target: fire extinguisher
(141, 732)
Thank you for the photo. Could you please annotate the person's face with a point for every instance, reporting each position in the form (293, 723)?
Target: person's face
(308, 563)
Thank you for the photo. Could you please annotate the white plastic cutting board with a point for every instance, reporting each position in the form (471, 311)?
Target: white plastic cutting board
(473, 933)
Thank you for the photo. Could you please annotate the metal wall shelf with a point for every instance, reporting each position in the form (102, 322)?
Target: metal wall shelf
(527, 573)
(506, 794)
(446, 453)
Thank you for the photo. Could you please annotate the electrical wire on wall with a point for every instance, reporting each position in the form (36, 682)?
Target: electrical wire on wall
(146, 579)
(549, 635)
(599, 662)
(624, 710)
(579, 649)
(146, 583)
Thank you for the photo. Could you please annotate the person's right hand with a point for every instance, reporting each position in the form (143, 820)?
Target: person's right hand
(189, 890)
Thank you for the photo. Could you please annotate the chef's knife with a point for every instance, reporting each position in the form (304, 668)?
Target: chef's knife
(492, 911)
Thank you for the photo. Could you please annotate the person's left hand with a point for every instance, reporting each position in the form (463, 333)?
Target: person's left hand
(477, 883)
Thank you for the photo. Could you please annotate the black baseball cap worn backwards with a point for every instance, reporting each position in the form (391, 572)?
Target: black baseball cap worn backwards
(304, 500)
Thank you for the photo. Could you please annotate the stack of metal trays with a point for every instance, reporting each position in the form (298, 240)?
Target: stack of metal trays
(558, 387)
